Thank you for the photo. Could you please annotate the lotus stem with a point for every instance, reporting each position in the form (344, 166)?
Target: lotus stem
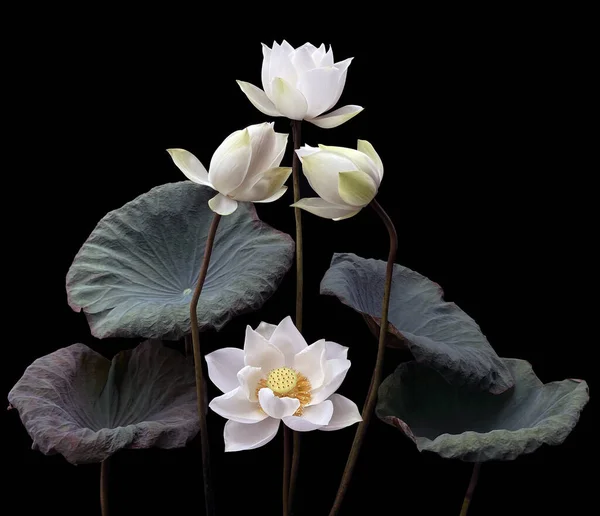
(104, 472)
(471, 489)
(369, 405)
(297, 136)
(201, 399)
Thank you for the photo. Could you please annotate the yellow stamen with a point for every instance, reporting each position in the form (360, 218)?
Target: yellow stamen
(285, 382)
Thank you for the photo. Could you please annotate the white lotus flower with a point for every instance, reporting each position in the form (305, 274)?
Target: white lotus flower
(345, 179)
(301, 84)
(278, 377)
(245, 167)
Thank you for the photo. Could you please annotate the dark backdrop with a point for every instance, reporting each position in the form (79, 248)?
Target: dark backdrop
(479, 123)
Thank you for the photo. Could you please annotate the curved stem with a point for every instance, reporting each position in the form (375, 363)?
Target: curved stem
(471, 489)
(201, 399)
(369, 405)
(104, 472)
(297, 136)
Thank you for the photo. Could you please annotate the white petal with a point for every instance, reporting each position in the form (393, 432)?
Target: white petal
(342, 66)
(288, 340)
(264, 186)
(337, 117)
(311, 363)
(319, 54)
(345, 413)
(309, 46)
(265, 78)
(356, 187)
(229, 164)
(328, 58)
(288, 49)
(335, 372)
(190, 165)
(281, 66)
(262, 141)
(277, 407)
(366, 148)
(327, 210)
(360, 159)
(335, 350)
(258, 352)
(303, 60)
(223, 367)
(222, 205)
(313, 417)
(320, 88)
(288, 100)
(306, 150)
(275, 196)
(280, 144)
(259, 99)
(248, 379)
(266, 329)
(321, 169)
(235, 405)
(239, 436)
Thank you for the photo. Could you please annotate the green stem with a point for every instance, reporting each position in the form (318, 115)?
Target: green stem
(201, 399)
(104, 472)
(369, 405)
(297, 136)
(471, 489)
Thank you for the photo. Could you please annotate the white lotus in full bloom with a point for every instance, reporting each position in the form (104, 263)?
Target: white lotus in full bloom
(301, 84)
(345, 179)
(245, 167)
(278, 377)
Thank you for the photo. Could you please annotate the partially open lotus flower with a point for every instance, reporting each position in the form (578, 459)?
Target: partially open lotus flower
(245, 167)
(345, 179)
(278, 377)
(301, 84)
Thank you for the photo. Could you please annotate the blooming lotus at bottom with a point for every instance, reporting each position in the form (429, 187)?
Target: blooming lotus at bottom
(278, 377)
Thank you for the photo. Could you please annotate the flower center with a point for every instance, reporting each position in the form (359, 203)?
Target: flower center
(285, 382)
(282, 380)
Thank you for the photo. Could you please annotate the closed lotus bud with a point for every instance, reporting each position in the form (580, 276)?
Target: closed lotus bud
(245, 167)
(301, 84)
(345, 179)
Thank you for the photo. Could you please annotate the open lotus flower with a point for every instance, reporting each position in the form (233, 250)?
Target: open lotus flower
(276, 377)
(346, 179)
(245, 167)
(301, 84)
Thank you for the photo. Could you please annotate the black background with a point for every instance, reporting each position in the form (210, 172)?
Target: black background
(480, 119)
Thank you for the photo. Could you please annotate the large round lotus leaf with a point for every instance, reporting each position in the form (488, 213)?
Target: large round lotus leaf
(438, 334)
(135, 274)
(462, 423)
(77, 403)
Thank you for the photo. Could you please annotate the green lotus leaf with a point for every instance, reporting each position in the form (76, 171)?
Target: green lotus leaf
(437, 333)
(474, 426)
(135, 274)
(77, 403)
